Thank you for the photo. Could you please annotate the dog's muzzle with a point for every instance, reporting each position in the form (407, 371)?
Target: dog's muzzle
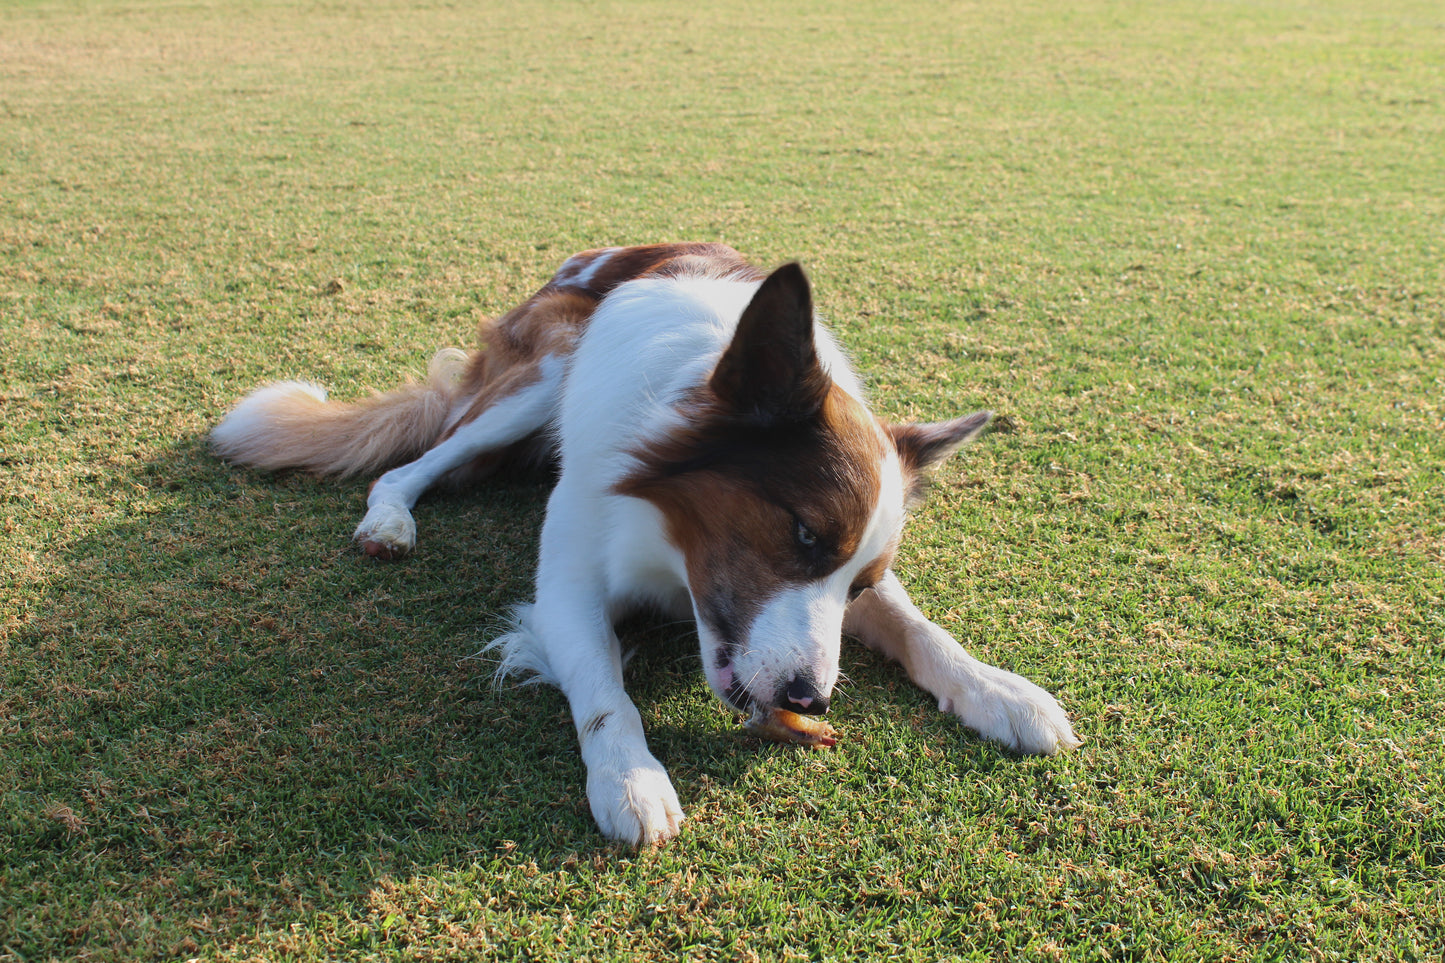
(801, 695)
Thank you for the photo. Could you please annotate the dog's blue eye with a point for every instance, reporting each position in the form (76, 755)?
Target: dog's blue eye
(805, 536)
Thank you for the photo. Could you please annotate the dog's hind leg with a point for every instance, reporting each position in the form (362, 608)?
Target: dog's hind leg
(388, 531)
(993, 702)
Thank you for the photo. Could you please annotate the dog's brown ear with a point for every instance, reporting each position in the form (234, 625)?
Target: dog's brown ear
(923, 446)
(770, 371)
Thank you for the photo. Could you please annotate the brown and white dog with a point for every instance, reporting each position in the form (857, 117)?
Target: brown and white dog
(718, 461)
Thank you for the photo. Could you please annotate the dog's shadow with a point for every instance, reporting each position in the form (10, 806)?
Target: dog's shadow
(222, 684)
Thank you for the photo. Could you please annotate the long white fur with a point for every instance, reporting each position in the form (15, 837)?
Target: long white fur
(601, 551)
(666, 335)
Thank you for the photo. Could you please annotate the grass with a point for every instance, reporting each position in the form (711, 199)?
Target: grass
(1191, 252)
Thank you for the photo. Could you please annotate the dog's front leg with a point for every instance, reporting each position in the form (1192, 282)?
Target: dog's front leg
(566, 636)
(995, 703)
(629, 792)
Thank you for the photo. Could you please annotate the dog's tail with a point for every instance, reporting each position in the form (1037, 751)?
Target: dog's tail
(290, 424)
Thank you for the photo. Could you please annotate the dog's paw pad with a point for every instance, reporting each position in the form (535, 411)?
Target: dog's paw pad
(381, 550)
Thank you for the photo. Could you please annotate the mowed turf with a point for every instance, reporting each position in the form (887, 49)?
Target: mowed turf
(1191, 253)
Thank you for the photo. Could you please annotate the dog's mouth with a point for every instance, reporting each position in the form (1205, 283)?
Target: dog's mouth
(718, 617)
(734, 692)
(770, 722)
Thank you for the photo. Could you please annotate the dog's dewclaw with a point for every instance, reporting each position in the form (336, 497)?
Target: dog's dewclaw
(780, 725)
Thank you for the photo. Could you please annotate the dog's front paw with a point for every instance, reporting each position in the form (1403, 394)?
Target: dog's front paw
(387, 532)
(636, 805)
(1011, 710)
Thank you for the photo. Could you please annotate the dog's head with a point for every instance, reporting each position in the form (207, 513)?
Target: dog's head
(786, 498)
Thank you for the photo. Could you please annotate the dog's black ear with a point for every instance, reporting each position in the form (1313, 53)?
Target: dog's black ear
(921, 447)
(771, 370)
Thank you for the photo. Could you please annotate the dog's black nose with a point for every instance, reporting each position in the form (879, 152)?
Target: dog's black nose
(801, 695)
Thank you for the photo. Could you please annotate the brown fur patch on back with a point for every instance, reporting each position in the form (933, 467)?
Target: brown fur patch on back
(547, 324)
(550, 321)
(692, 259)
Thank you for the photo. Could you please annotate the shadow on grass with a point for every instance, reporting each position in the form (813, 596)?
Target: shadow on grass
(222, 716)
(221, 712)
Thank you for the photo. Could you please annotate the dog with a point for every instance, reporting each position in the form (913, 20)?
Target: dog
(717, 461)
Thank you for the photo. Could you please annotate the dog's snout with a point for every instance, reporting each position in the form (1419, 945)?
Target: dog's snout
(801, 695)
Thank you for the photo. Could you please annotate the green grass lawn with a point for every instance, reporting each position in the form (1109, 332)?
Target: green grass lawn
(1192, 253)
